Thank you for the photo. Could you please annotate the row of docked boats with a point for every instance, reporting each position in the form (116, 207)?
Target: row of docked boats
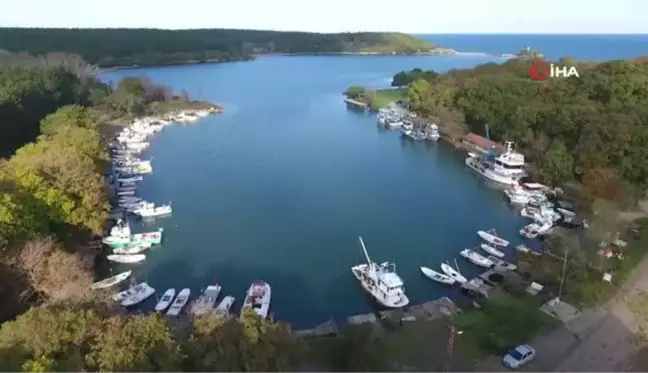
(257, 300)
(393, 116)
(383, 283)
(129, 169)
(128, 247)
(493, 245)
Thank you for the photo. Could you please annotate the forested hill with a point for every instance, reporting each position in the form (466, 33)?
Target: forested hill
(128, 47)
(592, 129)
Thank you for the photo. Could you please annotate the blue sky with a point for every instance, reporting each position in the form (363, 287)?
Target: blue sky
(412, 16)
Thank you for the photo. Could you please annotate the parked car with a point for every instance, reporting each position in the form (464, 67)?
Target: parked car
(519, 356)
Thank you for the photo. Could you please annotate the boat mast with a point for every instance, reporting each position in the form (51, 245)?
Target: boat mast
(364, 249)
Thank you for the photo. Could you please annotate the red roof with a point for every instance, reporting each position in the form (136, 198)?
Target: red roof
(483, 142)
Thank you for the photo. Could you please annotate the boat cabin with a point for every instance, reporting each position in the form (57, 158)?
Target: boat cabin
(480, 144)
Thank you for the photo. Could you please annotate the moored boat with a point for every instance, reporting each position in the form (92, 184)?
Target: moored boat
(491, 250)
(381, 281)
(179, 302)
(455, 274)
(224, 307)
(206, 301)
(257, 298)
(491, 237)
(130, 250)
(122, 295)
(111, 281)
(139, 295)
(119, 258)
(438, 277)
(152, 211)
(476, 258)
(165, 301)
(135, 239)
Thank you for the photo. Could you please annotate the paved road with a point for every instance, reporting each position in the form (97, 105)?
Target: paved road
(602, 339)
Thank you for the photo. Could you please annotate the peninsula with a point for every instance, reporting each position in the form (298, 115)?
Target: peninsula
(150, 47)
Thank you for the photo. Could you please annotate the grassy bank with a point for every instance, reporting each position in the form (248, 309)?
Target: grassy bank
(376, 99)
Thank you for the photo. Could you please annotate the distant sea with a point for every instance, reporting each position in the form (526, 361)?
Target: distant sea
(581, 47)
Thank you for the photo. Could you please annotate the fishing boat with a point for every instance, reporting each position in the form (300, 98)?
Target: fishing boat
(257, 298)
(135, 239)
(130, 250)
(179, 303)
(141, 294)
(165, 301)
(518, 195)
(223, 308)
(438, 277)
(111, 281)
(126, 258)
(491, 237)
(207, 301)
(491, 250)
(505, 169)
(476, 258)
(433, 133)
(151, 211)
(381, 281)
(448, 270)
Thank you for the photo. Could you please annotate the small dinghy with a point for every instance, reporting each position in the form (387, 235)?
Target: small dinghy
(130, 250)
(126, 258)
(258, 299)
(448, 270)
(111, 281)
(223, 308)
(141, 294)
(165, 301)
(438, 277)
(179, 303)
(491, 237)
(476, 258)
(491, 250)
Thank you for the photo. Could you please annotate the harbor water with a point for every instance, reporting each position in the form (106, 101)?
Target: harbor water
(281, 184)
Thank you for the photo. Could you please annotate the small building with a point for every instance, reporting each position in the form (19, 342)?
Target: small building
(474, 142)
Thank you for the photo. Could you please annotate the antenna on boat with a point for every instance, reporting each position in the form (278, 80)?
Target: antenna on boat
(456, 264)
(364, 249)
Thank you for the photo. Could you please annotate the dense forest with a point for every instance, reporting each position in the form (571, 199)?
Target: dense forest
(592, 129)
(129, 47)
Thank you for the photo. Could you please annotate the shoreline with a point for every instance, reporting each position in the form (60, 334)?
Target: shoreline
(434, 52)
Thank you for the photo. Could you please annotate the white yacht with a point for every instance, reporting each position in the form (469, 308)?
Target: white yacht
(506, 168)
(381, 281)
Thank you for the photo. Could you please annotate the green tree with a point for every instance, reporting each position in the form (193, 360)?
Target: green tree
(355, 91)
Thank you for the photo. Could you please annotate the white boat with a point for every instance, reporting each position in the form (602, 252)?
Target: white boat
(491, 237)
(223, 308)
(138, 296)
(491, 250)
(448, 270)
(130, 250)
(165, 301)
(258, 298)
(506, 168)
(476, 258)
(566, 213)
(438, 277)
(130, 291)
(119, 258)
(179, 303)
(433, 133)
(207, 301)
(381, 281)
(516, 194)
(111, 281)
(151, 211)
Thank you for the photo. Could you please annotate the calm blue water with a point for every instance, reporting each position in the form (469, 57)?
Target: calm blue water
(280, 185)
(582, 47)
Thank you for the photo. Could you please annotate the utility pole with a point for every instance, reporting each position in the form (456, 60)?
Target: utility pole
(564, 268)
